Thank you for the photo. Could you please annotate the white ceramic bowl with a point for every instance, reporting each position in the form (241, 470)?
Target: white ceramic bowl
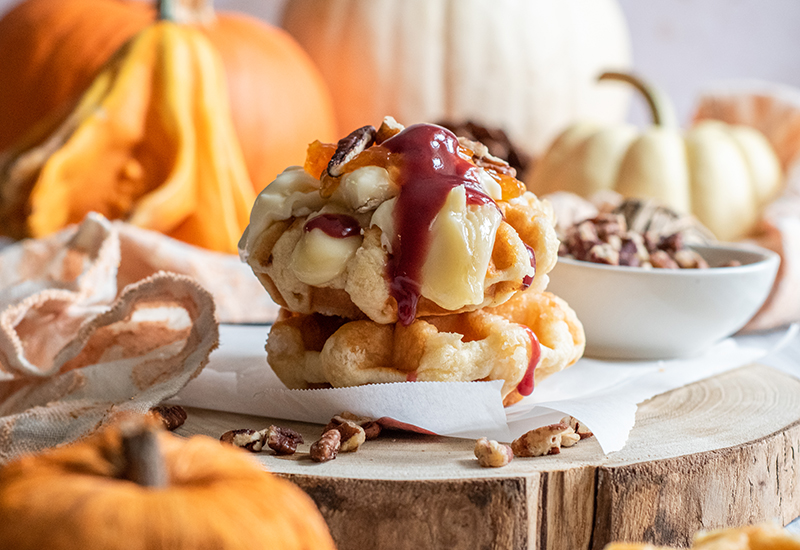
(636, 313)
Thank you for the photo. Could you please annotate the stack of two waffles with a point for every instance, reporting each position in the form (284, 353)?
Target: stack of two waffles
(408, 254)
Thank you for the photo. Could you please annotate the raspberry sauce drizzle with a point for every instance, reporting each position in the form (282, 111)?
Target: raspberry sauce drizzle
(338, 226)
(429, 168)
(528, 279)
(525, 386)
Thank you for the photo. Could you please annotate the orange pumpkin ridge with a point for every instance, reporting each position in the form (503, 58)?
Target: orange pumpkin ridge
(216, 498)
(50, 52)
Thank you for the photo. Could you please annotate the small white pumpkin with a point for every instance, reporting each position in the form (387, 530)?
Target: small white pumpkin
(723, 174)
(526, 66)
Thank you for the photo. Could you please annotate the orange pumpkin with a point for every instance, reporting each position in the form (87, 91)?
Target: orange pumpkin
(130, 487)
(50, 51)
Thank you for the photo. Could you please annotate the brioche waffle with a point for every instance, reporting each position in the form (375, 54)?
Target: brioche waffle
(405, 254)
(501, 343)
(362, 290)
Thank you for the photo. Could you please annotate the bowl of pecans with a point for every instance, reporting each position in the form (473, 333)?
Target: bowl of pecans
(657, 291)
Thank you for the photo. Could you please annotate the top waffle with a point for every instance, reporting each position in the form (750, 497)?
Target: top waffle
(398, 223)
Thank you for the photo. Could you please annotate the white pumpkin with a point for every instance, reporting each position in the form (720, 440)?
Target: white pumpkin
(526, 66)
(724, 174)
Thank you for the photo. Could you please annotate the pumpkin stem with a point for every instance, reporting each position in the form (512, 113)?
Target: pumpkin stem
(660, 106)
(186, 12)
(144, 464)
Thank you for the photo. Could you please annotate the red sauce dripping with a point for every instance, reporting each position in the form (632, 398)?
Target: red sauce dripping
(338, 226)
(525, 386)
(528, 279)
(411, 376)
(429, 167)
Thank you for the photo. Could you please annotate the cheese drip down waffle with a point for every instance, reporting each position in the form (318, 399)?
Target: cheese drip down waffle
(398, 233)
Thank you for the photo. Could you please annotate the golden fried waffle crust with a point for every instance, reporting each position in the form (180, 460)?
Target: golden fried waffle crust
(362, 289)
(308, 351)
(404, 254)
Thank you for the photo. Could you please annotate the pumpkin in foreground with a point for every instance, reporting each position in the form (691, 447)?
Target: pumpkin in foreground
(724, 174)
(130, 487)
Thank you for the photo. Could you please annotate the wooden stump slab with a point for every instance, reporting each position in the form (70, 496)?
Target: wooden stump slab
(721, 452)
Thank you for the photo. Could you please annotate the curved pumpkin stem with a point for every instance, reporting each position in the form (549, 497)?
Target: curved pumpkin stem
(143, 461)
(186, 12)
(660, 106)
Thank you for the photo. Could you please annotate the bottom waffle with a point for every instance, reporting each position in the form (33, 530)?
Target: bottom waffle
(528, 338)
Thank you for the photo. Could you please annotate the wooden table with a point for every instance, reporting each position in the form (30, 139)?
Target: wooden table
(720, 452)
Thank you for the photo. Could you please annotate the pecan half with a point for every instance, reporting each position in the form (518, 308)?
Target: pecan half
(283, 441)
(348, 147)
(326, 447)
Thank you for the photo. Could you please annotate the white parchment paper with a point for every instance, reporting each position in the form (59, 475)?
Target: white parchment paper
(602, 394)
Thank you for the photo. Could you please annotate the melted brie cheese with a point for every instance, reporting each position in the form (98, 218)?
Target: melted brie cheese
(462, 240)
(293, 193)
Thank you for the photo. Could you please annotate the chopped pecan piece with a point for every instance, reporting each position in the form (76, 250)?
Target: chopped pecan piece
(587, 232)
(352, 435)
(172, 416)
(326, 447)
(495, 140)
(491, 454)
(689, 259)
(608, 238)
(633, 251)
(603, 253)
(569, 437)
(578, 426)
(609, 224)
(541, 441)
(372, 429)
(283, 441)
(661, 259)
(348, 147)
(388, 128)
(251, 440)
(671, 243)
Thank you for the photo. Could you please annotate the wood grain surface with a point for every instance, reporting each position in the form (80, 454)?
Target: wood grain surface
(721, 452)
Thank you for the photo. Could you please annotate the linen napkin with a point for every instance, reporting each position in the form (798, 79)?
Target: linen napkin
(76, 349)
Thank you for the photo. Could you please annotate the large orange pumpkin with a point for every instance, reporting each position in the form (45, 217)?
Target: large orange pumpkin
(51, 50)
(131, 488)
